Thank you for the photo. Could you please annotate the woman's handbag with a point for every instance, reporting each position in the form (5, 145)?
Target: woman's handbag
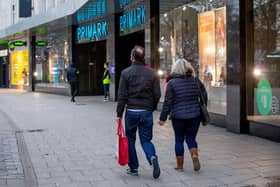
(122, 152)
(205, 117)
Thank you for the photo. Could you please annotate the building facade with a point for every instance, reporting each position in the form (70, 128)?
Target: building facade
(234, 47)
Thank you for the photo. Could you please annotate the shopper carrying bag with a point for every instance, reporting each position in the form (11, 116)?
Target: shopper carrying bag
(138, 96)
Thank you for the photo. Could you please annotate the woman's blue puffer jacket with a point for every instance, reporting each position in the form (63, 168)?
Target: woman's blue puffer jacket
(181, 98)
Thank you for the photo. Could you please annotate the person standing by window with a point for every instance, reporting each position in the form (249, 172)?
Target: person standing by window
(106, 81)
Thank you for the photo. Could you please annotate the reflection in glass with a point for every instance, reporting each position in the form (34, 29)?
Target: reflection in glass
(52, 60)
(266, 61)
(197, 32)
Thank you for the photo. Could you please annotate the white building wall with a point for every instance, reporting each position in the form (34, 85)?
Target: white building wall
(39, 6)
(59, 2)
(5, 13)
(8, 16)
(9, 13)
(50, 4)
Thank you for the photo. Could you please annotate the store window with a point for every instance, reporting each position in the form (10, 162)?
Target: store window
(53, 59)
(266, 62)
(197, 32)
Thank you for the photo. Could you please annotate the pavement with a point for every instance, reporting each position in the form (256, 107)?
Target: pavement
(68, 144)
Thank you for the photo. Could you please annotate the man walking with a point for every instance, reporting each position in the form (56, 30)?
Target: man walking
(139, 93)
(72, 77)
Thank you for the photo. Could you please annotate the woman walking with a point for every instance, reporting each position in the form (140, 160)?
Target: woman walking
(182, 104)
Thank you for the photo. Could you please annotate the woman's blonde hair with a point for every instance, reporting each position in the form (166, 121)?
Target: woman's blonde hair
(182, 67)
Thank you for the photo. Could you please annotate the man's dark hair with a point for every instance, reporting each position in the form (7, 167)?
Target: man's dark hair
(138, 53)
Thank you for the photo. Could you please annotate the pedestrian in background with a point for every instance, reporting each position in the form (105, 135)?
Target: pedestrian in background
(72, 78)
(139, 93)
(181, 102)
(106, 81)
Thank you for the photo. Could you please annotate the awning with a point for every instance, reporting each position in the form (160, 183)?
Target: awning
(64, 10)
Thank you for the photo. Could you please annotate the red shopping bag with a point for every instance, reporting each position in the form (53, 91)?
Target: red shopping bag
(122, 152)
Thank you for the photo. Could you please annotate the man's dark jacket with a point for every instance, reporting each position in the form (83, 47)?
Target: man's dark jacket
(138, 89)
(181, 98)
(72, 75)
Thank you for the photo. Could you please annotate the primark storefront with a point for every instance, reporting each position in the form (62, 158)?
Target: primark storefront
(234, 46)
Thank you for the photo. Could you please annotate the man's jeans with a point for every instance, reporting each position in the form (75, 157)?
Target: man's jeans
(143, 120)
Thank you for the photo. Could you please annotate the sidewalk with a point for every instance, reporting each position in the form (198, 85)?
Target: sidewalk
(74, 145)
(11, 172)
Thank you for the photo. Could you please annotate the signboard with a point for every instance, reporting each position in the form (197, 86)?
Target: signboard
(92, 32)
(221, 46)
(206, 39)
(41, 43)
(19, 43)
(132, 19)
(3, 52)
(4, 42)
(264, 97)
(212, 46)
(91, 10)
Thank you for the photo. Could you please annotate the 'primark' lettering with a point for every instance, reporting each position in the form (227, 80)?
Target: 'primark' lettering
(133, 18)
(92, 32)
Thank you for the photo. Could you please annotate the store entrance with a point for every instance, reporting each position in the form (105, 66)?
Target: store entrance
(90, 59)
(3, 72)
(123, 51)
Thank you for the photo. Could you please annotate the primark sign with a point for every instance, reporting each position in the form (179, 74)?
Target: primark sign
(92, 32)
(132, 19)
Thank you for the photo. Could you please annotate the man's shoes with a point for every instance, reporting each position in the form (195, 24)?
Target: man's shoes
(73, 100)
(155, 165)
(132, 172)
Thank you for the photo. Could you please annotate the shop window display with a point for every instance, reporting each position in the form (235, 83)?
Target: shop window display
(197, 32)
(266, 100)
(52, 60)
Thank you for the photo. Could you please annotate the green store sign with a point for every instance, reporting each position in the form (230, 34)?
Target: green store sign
(264, 97)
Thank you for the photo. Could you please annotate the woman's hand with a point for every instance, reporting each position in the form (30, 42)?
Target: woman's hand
(161, 123)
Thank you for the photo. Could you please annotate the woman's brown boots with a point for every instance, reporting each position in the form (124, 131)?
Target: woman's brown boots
(194, 155)
(180, 163)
